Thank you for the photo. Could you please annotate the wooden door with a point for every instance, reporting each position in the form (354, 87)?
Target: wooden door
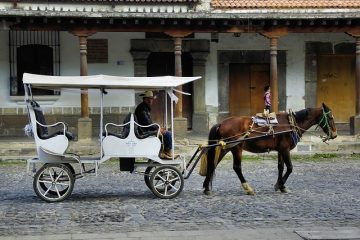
(246, 88)
(336, 85)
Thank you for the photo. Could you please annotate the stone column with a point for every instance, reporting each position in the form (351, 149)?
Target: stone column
(274, 75)
(180, 123)
(201, 116)
(274, 36)
(84, 122)
(355, 120)
(223, 90)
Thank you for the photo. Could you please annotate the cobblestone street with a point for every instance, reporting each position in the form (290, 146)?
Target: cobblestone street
(324, 193)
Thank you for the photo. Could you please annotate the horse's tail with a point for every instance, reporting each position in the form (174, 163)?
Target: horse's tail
(210, 155)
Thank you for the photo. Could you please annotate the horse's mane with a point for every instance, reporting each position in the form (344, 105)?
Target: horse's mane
(302, 114)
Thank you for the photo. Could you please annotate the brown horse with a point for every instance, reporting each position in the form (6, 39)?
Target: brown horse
(281, 137)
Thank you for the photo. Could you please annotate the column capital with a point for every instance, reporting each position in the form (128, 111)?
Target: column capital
(82, 33)
(275, 33)
(140, 55)
(178, 33)
(354, 32)
(199, 55)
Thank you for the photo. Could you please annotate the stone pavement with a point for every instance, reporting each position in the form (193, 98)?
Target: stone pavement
(324, 203)
(243, 234)
(24, 147)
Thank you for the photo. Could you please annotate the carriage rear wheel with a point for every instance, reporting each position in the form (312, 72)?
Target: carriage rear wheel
(147, 176)
(166, 182)
(53, 182)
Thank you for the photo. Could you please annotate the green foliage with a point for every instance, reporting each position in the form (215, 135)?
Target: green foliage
(12, 162)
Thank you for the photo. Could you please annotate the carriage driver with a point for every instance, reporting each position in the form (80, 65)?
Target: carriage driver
(142, 113)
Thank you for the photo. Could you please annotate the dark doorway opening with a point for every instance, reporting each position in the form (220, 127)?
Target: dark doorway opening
(163, 64)
(36, 59)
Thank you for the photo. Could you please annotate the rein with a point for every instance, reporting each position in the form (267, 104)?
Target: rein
(325, 122)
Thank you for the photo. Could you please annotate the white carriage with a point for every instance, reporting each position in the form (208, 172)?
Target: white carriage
(54, 180)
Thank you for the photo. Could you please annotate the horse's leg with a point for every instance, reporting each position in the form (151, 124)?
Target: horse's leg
(207, 185)
(289, 168)
(279, 183)
(237, 156)
(208, 178)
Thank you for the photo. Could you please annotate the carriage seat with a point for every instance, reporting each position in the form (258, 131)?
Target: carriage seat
(42, 127)
(126, 129)
(131, 142)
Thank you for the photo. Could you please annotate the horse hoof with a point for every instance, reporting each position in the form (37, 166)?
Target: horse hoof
(276, 187)
(284, 190)
(251, 193)
(207, 192)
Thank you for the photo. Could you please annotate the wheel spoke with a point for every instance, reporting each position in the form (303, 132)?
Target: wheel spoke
(57, 191)
(161, 184)
(43, 181)
(62, 184)
(51, 176)
(173, 187)
(60, 174)
(174, 179)
(47, 191)
(158, 175)
(165, 193)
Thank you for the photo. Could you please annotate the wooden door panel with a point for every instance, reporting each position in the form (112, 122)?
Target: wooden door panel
(246, 88)
(259, 79)
(336, 85)
(239, 94)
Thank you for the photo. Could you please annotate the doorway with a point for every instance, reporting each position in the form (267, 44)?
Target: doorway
(336, 85)
(163, 64)
(246, 88)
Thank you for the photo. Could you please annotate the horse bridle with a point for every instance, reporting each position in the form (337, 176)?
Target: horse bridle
(324, 119)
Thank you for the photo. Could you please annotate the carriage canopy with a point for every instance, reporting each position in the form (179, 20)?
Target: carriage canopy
(106, 81)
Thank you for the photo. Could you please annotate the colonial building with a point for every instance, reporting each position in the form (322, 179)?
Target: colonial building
(307, 51)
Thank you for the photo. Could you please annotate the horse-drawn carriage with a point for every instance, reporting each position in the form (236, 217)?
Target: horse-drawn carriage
(54, 179)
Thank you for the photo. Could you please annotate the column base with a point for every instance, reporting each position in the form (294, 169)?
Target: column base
(355, 125)
(84, 129)
(180, 126)
(200, 123)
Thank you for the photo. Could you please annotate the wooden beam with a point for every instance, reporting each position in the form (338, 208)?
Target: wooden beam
(276, 32)
(178, 33)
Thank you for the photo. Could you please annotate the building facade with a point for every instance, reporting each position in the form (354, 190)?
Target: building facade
(307, 52)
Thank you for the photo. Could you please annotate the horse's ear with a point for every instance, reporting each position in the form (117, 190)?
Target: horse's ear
(324, 106)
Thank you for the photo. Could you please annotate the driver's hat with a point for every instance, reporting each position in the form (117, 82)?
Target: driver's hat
(147, 94)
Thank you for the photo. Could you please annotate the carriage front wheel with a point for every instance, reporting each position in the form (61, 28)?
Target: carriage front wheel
(54, 182)
(166, 182)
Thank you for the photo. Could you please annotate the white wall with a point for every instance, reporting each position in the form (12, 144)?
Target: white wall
(119, 46)
(118, 50)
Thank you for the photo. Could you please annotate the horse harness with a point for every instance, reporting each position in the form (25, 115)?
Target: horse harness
(294, 129)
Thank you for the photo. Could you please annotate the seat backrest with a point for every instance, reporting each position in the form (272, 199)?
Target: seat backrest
(39, 115)
(137, 130)
(126, 128)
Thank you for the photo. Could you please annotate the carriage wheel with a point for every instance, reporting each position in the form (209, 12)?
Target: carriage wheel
(147, 176)
(44, 187)
(53, 182)
(166, 182)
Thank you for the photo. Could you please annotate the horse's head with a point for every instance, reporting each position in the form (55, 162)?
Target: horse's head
(327, 123)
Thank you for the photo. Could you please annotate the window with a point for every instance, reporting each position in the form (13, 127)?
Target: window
(35, 52)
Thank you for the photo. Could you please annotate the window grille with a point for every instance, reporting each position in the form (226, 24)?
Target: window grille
(19, 39)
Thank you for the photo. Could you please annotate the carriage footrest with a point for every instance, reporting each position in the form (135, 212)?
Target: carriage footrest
(127, 164)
